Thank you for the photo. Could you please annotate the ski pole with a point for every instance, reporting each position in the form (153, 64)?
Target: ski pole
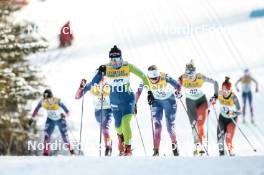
(253, 148)
(101, 116)
(193, 126)
(207, 126)
(152, 127)
(80, 139)
(141, 136)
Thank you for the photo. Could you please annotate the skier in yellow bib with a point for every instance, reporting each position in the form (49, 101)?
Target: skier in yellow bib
(196, 101)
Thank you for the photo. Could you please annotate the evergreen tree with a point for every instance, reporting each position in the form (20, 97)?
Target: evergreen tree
(20, 82)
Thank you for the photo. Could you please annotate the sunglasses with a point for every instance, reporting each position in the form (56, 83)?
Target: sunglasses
(116, 59)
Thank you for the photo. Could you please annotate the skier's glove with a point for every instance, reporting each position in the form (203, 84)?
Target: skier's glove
(231, 113)
(102, 69)
(178, 94)
(82, 84)
(150, 98)
(135, 109)
(30, 121)
(62, 116)
(213, 99)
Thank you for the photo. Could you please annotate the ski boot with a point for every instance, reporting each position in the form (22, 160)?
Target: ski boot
(244, 120)
(175, 150)
(221, 152)
(121, 144)
(198, 150)
(72, 152)
(252, 121)
(108, 151)
(128, 151)
(231, 153)
(156, 152)
(45, 153)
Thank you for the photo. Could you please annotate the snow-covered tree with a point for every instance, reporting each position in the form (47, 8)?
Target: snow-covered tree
(20, 82)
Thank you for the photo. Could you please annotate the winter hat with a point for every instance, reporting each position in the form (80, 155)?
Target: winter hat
(47, 93)
(227, 84)
(190, 68)
(115, 52)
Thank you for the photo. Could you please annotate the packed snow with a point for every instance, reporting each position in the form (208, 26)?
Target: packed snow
(218, 35)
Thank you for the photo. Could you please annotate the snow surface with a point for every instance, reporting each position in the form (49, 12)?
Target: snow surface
(132, 165)
(223, 41)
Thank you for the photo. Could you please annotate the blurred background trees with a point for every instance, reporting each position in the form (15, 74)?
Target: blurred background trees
(20, 82)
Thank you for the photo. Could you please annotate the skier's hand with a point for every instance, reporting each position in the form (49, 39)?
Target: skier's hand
(150, 98)
(63, 115)
(30, 121)
(230, 112)
(257, 89)
(178, 94)
(135, 109)
(237, 89)
(102, 69)
(213, 99)
(83, 83)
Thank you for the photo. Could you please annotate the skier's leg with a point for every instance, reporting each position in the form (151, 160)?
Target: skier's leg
(127, 133)
(49, 128)
(192, 113)
(221, 128)
(106, 117)
(170, 112)
(250, 104)
(244, 96)
(117, 113)
(64, 133)
(106, 126)
(229, 135)
(202, 112)
(157, 113)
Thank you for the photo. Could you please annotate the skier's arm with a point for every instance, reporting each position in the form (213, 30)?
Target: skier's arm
(61, 104)
(255, 81)
(139, 91)
(238, 108)
(81, 91)
(236, 84)
(210, 80)
(133, 69)
(35, 112)
(97, 78)
(173, 82)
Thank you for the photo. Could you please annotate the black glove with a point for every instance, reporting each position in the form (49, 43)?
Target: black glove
(83, 83)
(102, 69)
(213, 99)
(178, 94)
(30, 122)
(150, 98)
(62, 116)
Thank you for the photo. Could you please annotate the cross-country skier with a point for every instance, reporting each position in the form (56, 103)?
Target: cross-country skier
(246, 81)
(56, 117)
(197, 106)
(66, 35)
(102, 108)
(164, 89)
(229, 111)
(122, 99)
